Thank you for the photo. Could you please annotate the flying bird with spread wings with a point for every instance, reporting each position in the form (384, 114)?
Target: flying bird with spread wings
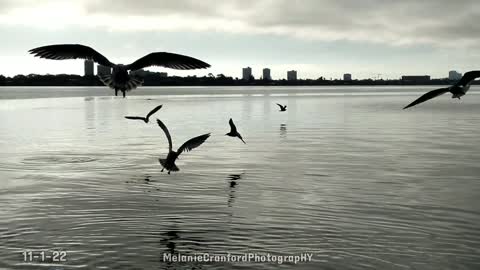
(233, 131)
(145, 119)
(458, 90)
(169, 162)
(120, 79)
(282, 107)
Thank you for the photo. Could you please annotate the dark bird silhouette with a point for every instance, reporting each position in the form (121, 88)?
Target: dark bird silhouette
(282, 107)
(120, 79)
(169, 162)
(145, 119)
(233, 131)
(459, 89)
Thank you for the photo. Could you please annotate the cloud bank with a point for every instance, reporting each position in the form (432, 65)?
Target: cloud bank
(442, 23)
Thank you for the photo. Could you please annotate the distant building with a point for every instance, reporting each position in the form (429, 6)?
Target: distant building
(88, 67)
(454, 75)
(347, 77)
(103, 70)
(292, 75)
(415, 78)
(246, 73)
(143, 73)
(266, 74)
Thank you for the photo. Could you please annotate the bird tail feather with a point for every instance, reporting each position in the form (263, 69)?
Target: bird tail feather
(107, 80)
(131, 84)
(163, 162)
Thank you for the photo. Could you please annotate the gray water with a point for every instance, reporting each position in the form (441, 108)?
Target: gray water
(344, 174)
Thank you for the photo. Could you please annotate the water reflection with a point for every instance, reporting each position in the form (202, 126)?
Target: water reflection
(283, 130)
(170, 242)
(232, 178)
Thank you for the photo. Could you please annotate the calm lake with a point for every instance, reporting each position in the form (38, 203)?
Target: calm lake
(344, 174)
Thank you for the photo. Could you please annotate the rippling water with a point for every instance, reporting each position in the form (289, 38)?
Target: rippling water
(344, 174)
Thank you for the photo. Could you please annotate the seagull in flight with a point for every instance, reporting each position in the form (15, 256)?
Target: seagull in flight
(233, 131)
(282, 107)
(169, 162)
(459, 89)
(145, 119)
(120, 79)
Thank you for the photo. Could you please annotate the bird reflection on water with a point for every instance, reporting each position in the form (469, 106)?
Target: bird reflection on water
(283, 130)
(233, 184)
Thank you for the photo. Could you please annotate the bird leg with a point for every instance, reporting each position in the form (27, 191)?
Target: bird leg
(123, 94)
(162, 170)
(168, 172)
(116, 92)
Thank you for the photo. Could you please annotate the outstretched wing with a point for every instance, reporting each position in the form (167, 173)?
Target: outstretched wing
(468, 77)
(233, 128)
(135, 118)
(427, 96)
(154, 111)
(280, 105)
(168, 60)
(193, 143)
(70, 51)
(169, 138)
(240, 137)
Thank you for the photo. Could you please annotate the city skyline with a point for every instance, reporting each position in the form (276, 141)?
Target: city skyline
(88, 70)
(374, 37)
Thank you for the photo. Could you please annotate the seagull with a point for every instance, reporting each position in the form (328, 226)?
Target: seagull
(119, 79)
(282, 107)
(459, 89)
(233, 131)
(145, 119)
(169, 162)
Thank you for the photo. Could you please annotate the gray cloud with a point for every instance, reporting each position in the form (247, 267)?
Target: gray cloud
(437, 22)
(408, 21)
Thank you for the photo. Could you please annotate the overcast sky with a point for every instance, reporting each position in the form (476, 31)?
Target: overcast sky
(316, 37)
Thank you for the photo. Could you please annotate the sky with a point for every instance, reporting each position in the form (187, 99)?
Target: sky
(368, 38)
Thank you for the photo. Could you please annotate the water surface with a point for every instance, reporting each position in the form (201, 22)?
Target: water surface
(344, 174)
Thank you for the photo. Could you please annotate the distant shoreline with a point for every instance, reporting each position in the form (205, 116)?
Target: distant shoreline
(219, 80)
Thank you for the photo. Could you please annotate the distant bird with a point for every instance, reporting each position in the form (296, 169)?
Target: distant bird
(282, 107)
(120, 79)
(233, 131)
(145, 119)
(459, 89)
(169, 162)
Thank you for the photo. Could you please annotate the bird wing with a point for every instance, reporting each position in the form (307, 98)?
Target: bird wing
(168, 60)
(233, 128)
(154, 111)
(280, 105)
(193, 143)
(169, 138)
(70, 51)
(468, 77)
(427, 96)
(240, 137)
(135, 117)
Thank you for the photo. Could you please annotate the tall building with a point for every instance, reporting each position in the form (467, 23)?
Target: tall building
(454, 75)
(292, 75)
(266, 74)
(246, 73)
(88, 67)
(423, 78)
(347, 77)
(103, 70)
